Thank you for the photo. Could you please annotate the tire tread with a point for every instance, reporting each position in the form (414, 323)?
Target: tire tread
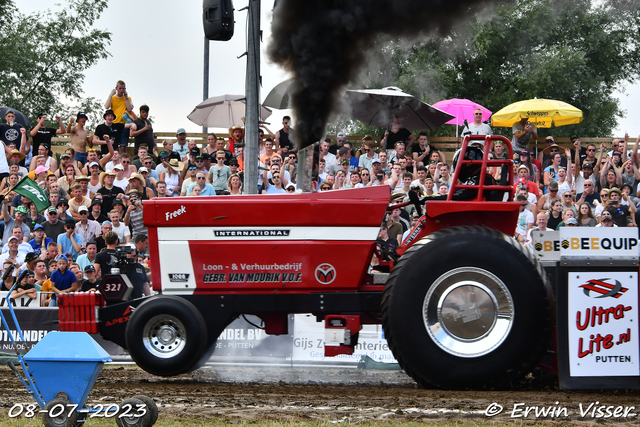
(457, 232)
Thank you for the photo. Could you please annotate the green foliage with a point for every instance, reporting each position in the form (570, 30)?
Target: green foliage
(92, 107)
(43, 56)
(577, 51)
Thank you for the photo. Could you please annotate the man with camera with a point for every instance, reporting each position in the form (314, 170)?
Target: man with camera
(378, 176)
(103, 262)
(620, 212)
(137, 275)
(133, 216)
(522, 133)
(122, 257)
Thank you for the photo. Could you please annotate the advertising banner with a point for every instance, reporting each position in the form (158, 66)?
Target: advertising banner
(602, 314)
(308, 342)
(600, 242)
(245, 341)
(546, 245)
(35, 324)
(19, 303)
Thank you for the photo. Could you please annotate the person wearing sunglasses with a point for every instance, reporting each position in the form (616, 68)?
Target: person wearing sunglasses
(602, 204)
(206, 189)
(477, 127)
(219, 173)
(546, 200)
(326, 186)
(607, 220)
(272, 188)
(588, 154)
(368, 154)
(589, 193)
(341, 138)
(125, 161)
(282, 138)
(189, 180)
(583, 173)
(143, 151)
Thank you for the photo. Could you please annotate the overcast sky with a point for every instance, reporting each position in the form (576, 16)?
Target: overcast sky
(157, 49)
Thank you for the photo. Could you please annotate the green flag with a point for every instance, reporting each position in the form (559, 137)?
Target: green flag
(29, 189)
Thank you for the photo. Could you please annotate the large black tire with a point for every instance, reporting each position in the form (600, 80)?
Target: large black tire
(61, 418)
(467, 308)
(166, 335)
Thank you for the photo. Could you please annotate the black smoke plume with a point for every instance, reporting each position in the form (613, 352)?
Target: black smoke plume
(324, 44)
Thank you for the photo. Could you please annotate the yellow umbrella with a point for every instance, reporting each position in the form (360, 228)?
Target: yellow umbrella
(540, 112)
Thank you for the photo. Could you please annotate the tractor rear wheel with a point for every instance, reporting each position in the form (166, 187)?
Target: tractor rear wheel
(467, 308)
(166, 335)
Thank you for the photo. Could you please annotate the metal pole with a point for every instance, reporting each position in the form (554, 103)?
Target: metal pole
(252, 113)
(205, 78)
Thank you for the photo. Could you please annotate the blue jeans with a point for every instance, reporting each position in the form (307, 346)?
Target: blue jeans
(81, 157)
(124, 137)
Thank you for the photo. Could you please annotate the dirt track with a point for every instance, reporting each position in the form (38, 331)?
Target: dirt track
(328, 394)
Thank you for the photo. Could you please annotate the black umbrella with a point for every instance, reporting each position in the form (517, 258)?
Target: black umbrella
(280, 96)
(20, 117)
(378, 107)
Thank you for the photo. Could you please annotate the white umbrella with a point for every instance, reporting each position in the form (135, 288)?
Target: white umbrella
(223, 111)
(377, 107)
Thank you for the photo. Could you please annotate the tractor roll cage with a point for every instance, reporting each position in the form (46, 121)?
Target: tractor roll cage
(505, 185)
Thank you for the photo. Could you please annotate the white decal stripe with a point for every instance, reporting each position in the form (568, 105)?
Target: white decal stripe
(294, 233)
(175, 259)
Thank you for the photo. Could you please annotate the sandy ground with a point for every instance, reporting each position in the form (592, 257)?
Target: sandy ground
(337, 394)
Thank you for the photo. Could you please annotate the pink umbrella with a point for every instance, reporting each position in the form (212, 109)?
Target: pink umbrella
(462, 109)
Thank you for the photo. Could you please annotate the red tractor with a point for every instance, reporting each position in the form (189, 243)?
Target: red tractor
(464, 306)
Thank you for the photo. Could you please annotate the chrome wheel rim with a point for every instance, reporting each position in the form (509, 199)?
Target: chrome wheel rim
(164, 336)
(468, 312)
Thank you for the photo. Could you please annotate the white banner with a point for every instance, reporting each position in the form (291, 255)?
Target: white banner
(546, 245)
(22, 302)
(602, 316)
(308, 342)
(599, 242)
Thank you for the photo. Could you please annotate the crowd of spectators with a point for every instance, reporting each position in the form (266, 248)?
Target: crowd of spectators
(96, 187)
(584, 185)
(94, 190)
